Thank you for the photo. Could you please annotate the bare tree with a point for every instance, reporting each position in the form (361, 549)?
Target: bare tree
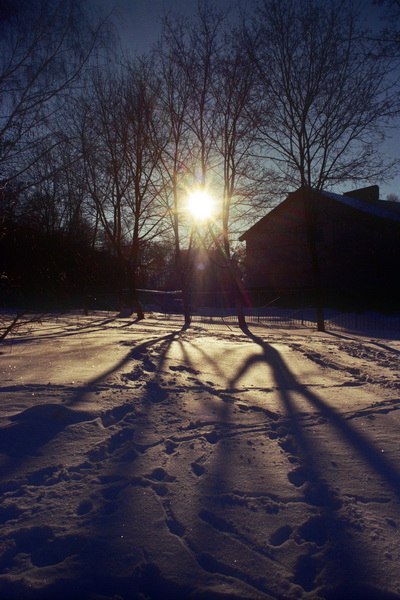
(176, 157)
(117, 128)
(194, 48)
(234, 132)
(393, 198)
(207, 87)
(56, 201)
(235, 144)
(325, 100)
(187, 56)
(45, 50)
(389, 37)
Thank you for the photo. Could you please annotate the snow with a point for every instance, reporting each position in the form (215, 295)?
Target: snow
(380, 208)
(144, 461)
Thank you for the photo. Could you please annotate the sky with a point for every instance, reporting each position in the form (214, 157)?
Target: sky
(139, 26)
(139, 20)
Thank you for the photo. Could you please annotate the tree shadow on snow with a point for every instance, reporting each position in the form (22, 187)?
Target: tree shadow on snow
(374, 342)
(344, 559)
(287, 381)
(39, 424)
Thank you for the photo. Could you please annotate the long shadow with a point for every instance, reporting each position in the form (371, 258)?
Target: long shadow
(117, 455)
(146, 577)
(214, 426)
(374, 342)
(204, 355)
(286, 380)
(90, 327)
(36, 426)
(344, 559)
(147, 581)
(220, 421)
(137, 352)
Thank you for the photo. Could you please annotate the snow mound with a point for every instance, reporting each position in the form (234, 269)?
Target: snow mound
(53, 413)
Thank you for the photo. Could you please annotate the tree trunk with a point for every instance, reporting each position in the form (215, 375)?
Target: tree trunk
(239, 307)
(183, 271)
(134, 303)
(126, 279)
(235, 277)
(186, 302)
(319, 299)
(311, 227)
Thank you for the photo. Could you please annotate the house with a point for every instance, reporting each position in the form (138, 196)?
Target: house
(357, 241)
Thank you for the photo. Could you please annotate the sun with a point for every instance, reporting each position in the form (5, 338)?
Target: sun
(200, 205)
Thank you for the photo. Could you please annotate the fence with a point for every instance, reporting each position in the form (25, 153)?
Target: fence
(285, 309)
(287, 318)
(288, 309)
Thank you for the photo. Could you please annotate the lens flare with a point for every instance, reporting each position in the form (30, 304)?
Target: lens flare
(200, 205)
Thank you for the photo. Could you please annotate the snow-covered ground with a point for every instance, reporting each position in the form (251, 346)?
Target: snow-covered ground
(141, 461)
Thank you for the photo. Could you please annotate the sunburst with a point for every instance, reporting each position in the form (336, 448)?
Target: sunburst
(200, 204)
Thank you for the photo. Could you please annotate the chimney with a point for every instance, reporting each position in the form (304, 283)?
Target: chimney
(370, 193)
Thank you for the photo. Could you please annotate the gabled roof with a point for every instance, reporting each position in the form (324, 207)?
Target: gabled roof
(382, 209)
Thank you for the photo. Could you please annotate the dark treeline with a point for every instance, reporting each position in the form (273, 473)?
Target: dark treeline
(99, 151)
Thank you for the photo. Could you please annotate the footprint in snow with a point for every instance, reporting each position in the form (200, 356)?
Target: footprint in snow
(116, 414)
(112, 492)
(26, 541)
(212, 437)
(316, 530)
(319, 494)
(300, 475)
(306, 571)
(197, 469)
(148, 365)
(57, 550)
(157, 481)
(289, 445)
(155, 392)
(160, 474)
(170, 446)
(84, 507)
(281, 535)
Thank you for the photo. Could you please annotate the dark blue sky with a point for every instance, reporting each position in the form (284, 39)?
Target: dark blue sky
(139, 20)
(139, 25)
